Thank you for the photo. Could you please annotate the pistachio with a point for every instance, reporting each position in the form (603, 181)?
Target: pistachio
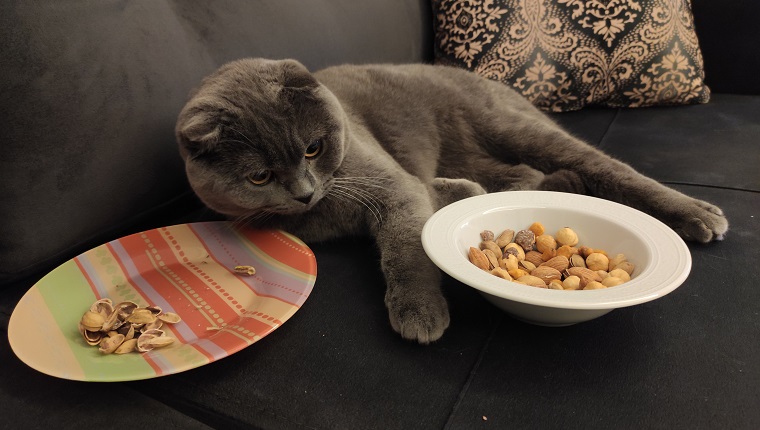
(626, 266)
(617, 259)
(505, 238)
(493, 261)
(490, 244)
(577, 260)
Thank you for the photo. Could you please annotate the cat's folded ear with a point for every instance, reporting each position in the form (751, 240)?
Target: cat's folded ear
(197, 130)
(296, 76)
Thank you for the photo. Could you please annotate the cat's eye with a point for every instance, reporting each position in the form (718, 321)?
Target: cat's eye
(314, 149)
(260, 178)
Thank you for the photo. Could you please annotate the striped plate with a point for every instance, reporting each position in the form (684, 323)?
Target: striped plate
(187, 269)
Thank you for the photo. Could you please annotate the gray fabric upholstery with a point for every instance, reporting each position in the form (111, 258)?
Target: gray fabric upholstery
(91, 90)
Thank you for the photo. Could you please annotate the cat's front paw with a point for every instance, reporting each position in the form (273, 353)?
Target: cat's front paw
(700, 221)
(447, 190)
(420, 317)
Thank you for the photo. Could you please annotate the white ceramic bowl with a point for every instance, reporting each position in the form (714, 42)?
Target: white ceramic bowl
(661, 257)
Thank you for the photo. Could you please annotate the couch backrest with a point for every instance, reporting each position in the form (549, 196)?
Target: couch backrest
(728, 35)
(90, 91)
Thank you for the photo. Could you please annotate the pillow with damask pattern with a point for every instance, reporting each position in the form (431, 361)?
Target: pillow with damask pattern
(563, 55)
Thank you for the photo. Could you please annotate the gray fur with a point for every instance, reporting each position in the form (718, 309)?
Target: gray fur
(399, 142)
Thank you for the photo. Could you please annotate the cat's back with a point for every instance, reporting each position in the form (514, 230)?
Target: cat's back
(414, 88)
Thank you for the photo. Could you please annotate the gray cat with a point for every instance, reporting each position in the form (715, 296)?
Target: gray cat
(357, 150)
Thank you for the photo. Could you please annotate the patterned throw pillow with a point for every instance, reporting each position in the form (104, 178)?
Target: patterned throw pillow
(563, 55)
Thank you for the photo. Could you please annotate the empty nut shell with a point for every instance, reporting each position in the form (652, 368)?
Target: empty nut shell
(92, 321)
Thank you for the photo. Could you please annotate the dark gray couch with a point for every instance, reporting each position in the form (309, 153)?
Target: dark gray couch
(89, 93)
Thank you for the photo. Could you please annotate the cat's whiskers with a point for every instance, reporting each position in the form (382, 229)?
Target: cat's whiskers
(370, 181)
(252, 218)
(359, 196)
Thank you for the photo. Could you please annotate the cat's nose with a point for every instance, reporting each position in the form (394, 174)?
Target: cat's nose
(305, 199)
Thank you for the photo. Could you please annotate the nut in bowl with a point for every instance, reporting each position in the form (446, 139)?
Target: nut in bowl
(661, 259)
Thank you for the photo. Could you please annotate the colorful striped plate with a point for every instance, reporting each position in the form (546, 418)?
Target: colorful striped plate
(187, 269)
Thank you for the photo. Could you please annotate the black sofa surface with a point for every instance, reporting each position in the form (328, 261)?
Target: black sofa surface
(91, 91)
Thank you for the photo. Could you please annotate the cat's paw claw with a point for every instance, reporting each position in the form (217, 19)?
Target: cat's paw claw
(420, 320)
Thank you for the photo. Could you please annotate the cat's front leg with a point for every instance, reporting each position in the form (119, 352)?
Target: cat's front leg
(570, 163)
(416, 307)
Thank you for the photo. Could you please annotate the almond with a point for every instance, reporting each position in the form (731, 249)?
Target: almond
(559, 262)
(585, 275)
(533, 281)
(478, 258)
(546, 274)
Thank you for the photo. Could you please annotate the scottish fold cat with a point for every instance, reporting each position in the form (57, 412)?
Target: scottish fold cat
(376, 149)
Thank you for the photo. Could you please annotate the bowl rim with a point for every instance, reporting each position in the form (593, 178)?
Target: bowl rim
(660, 277)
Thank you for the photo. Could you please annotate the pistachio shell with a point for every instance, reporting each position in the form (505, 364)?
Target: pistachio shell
(141, 316)
(170, 317)
(129, 345)
(245, 270)
(92, 337)
(92, 321)
(161, 341)
(103, 307)
(109, 344)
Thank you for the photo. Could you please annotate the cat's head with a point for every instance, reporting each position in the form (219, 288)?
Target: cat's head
(261, 136)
